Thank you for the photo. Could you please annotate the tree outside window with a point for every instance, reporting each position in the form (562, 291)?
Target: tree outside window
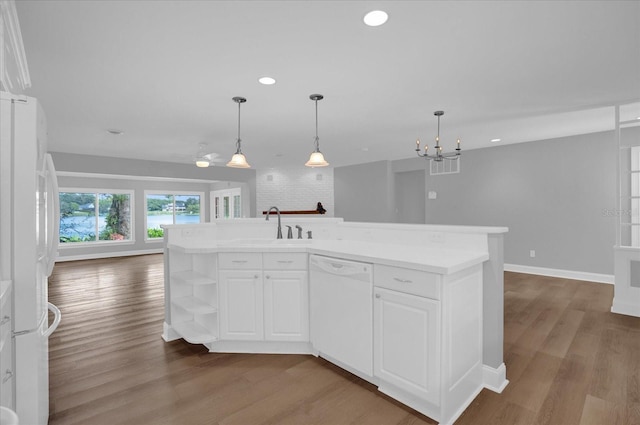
(95, 216)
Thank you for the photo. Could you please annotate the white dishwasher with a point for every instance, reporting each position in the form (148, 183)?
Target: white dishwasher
(341, 304)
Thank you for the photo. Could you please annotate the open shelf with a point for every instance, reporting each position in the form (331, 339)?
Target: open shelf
(194, 305)
(192, 278)
(194, 332)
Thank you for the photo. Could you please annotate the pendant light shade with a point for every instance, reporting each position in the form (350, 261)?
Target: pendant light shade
(316, 159)
(238, 159)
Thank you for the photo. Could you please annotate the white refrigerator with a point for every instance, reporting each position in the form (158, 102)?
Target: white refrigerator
(29, 226)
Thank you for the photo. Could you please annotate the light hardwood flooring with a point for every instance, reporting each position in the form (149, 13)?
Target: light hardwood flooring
(569, 361)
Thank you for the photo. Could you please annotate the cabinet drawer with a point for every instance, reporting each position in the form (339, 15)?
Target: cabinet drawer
(409, 281)
(240, 260)
(285, 261)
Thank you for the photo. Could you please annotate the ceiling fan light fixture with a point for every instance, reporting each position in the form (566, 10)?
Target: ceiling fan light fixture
(202, 162)
(316, 159)
(238, 160)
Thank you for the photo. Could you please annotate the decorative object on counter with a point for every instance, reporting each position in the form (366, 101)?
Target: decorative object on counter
(316, 159)
(439, 156)
(320, 208)
(238, 159)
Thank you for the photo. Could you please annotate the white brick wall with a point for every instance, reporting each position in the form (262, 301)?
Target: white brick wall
(298, 188)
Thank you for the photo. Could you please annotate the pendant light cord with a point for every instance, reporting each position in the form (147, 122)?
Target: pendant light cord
(238, 149)
(317, 141)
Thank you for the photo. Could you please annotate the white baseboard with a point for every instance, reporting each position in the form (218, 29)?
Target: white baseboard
(629, 309)
(111, 254)
(495, 379)
(567, 274)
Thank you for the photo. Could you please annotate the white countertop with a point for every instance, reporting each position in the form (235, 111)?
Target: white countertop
(431, 259)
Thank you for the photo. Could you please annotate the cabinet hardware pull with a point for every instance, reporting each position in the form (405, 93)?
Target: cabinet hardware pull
(285, 261)
(4, 320)
(397, 279)
(377, 295)
(238, 261)
(255, 276)
(7, 375)
(268, 277)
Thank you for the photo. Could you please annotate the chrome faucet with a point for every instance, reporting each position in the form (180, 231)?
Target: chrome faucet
(299, 231)
(279, 236)
(289, 233)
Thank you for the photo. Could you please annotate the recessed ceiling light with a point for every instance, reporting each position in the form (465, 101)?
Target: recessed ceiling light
(495, 140)
(375, 18)
(115, 132)
(267, 81)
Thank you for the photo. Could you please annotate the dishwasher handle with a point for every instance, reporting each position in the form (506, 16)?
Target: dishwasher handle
(339, 267)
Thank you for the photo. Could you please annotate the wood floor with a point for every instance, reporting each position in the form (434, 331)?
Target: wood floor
(569, 361)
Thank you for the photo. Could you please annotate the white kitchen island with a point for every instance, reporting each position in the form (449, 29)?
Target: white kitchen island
(422, 321)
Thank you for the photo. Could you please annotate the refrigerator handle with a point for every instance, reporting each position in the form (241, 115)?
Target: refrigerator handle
(53, 213)
(56, 320)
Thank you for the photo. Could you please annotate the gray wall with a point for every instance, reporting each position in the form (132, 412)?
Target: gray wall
(551, 194)
(364, 192)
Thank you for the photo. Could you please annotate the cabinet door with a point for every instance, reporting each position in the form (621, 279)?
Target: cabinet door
(241, 310)
(286, 306)
(407, 342)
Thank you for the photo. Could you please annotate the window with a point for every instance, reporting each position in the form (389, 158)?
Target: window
(171, 208)
(93, 216)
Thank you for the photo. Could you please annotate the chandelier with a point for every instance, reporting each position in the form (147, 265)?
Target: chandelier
(438, 156)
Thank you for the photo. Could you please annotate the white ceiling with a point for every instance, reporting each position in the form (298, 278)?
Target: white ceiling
(164, 72)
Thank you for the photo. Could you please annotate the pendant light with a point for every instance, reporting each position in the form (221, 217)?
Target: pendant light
(238, 159)
(316, 159)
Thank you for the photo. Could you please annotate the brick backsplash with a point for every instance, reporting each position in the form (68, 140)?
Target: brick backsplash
(294, 189)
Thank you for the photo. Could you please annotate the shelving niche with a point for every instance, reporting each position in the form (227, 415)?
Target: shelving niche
(194, 296)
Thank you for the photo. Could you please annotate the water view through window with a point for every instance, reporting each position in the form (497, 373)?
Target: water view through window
(170, 209)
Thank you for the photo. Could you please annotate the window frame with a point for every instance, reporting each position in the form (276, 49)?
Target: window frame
(97, 192)
(173, 193)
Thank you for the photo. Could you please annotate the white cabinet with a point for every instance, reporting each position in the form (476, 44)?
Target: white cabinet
(264, 296)
(428, 338)
(407, 342)
(6, 346)
(286, 305)
(193, 297)
(241, 305)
